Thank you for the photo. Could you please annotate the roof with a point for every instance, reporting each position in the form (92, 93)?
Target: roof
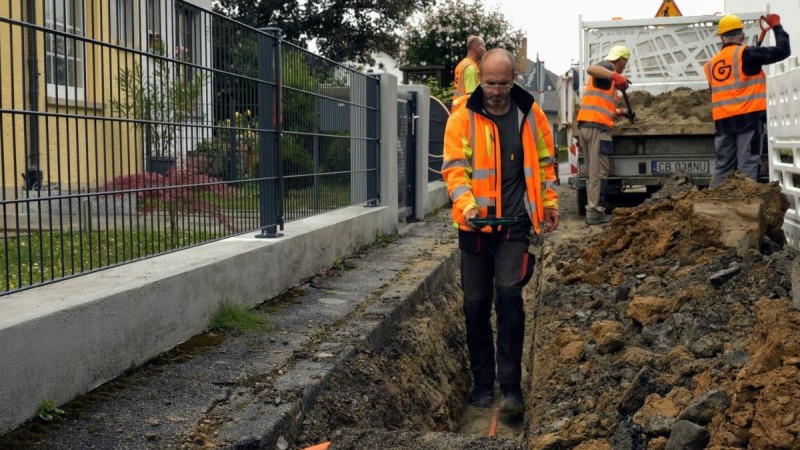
(548, 100)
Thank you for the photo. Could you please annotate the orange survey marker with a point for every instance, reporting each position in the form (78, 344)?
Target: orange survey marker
(493, 423)
(323, 446)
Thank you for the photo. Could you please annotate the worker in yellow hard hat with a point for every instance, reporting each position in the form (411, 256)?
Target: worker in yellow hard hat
(595, 120)
(739, 95)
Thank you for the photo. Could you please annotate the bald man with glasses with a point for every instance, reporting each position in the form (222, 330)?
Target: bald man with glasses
(498, 164)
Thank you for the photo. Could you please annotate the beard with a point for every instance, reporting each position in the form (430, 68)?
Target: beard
(496, 101)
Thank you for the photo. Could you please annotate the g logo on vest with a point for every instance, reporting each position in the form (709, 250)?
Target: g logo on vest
(721, 70)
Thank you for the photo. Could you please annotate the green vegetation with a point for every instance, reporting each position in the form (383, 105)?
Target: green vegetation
(563, 153)
(439, 36)
(41, 257)
(237, 320)
(47, 410)
(344, 30)
(382, 240)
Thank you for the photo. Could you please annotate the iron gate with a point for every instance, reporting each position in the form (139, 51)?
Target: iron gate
(406, 156)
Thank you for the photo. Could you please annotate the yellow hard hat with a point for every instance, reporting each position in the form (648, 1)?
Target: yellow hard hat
(729, 23)
(617, 52)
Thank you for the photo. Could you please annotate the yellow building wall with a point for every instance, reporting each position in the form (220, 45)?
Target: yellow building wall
(12, 94)
(81, 146)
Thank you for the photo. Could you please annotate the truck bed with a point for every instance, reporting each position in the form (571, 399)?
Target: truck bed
(662, 129)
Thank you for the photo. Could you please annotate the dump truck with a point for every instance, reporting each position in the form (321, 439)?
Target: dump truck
(672, 134)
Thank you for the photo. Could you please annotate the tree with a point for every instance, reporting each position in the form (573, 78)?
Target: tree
(343, 30)
(440, 36)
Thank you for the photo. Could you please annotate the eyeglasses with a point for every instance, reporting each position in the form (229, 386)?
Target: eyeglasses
(498, 86)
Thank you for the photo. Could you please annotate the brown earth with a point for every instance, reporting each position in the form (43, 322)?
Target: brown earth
(682, 105)
(653, 325)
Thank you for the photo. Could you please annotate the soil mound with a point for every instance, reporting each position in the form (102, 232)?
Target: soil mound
(682, 105)
(659, 330)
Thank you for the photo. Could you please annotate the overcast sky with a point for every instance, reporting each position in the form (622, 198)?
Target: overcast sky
(553, 32)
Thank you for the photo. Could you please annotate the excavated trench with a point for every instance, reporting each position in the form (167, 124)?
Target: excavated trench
(412, 393)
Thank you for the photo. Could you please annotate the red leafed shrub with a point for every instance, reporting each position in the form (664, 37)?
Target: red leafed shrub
(180, 190)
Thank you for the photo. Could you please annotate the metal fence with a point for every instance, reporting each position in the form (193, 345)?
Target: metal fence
(132, 128)
(439, 113)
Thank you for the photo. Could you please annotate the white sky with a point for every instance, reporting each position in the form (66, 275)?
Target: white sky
(552, 26)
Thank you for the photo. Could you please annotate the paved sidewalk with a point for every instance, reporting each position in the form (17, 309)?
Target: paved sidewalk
(253, 390)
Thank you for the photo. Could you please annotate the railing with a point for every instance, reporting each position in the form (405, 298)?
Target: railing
(439, 114)
(129, 132)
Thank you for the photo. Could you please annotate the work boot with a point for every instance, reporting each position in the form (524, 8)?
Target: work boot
(481, 396)
(598, 220)
(512, 406)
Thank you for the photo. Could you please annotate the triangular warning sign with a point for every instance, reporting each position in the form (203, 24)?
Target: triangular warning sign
(668, 8)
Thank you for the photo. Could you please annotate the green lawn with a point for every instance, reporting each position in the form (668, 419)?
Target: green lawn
(39, 257)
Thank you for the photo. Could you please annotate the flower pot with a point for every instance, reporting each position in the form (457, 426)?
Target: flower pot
(160, 164)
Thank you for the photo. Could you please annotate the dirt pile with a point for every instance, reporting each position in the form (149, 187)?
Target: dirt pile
(656, 334)
(681, 105)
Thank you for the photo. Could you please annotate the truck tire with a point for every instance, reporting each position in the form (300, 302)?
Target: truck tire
(583, 198)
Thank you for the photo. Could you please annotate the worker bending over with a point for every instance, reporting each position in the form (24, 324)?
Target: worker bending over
(595, 120)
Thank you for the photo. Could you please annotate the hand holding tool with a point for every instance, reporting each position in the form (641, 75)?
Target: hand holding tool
(620, 82)
(766, 23)
(630, 114)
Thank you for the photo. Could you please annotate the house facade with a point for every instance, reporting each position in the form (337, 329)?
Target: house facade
(59, 82)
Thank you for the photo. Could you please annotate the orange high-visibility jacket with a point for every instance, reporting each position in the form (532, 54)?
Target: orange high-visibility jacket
(598, 105)
(459, 84)
(472, 166)
(732, 92)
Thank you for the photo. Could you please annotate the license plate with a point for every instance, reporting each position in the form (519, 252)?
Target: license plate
(688, 167)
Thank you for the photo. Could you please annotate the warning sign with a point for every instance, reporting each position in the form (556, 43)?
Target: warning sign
(668, 8)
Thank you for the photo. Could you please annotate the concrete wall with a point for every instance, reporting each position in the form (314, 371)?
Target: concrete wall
(61, 340)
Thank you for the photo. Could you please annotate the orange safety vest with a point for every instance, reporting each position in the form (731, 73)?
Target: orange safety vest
(459, 89)
(732, 92)
(472, 167)
(598, 105)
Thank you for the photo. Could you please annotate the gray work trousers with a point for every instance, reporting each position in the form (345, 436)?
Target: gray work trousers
(596, 146)
(740, 151)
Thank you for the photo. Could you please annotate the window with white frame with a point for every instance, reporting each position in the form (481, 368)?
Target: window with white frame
(186, 41)
(123, 22)
(64, 56)
(153, 21)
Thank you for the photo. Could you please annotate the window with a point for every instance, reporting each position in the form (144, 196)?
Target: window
(123, 22)
(185, 33)
(153, 17)
(64, 64)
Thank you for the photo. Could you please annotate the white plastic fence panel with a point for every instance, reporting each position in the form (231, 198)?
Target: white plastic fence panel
(783, 128)
(666, 52)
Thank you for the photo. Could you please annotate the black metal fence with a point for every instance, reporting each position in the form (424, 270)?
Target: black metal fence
(439, 114)
(131, 128)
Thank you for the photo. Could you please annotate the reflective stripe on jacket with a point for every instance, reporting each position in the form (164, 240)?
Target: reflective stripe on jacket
(459, 87)
(598, 105)
(472, 166)
(732, 92)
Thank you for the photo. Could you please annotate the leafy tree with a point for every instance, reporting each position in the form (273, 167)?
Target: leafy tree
(344, 30)
(440, 37)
